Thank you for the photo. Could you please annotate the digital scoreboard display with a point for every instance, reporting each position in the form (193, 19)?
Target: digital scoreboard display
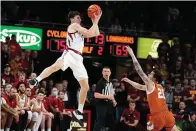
(115, 45)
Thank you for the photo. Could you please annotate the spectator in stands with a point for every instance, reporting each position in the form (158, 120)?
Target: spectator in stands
(59, 86)
(15, 64)
(186, 83)
(14, 47)
(21, 101)
(64, 116)
(169, 94)
(190, 73)
(164, 48)
(52, 104)
(35, 62)
(182, 109)
(67, 96)
(188, 53)
(7, 76)
(178, 95)
(21, 78)
(134, 95)
(130, 118)
(177, 71)
(164, 72)
(25, 65)
(10, 98)
(116, 27)
(121, 99)
(28, 58)
(4, 55)
(44, 115)
(50, 85)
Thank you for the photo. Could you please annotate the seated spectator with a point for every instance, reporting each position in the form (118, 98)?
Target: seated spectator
(134, 95)
(190, 94)
(177, 71)
(64, 116)
(164, 72)
(121, 99)
(15, 64)
(182, 109)
(4, 55)
(189, 73)
(67, 96)
(164, 48)
(169, 94)
(43, 114)
(10, 98)
(35, 62)
(25, 65)
(178, 95)
(130, 118)
(148, 69)
(22, 78)
(186, 84)
(14, 47)
(6, 75)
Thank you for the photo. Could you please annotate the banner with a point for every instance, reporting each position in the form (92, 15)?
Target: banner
(28, 38)
(148, 46)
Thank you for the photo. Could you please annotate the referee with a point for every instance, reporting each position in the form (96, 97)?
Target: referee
(105, 102)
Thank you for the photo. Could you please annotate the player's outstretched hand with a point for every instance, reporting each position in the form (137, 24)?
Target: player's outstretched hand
(130, 50)
(96, 18)
(125, 80)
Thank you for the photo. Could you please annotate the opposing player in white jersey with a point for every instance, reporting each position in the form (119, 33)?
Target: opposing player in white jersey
(72, 57)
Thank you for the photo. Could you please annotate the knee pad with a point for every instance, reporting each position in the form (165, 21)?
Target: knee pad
(35, 116)
(29, 115)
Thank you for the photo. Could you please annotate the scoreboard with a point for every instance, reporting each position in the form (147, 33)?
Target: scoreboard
(115, 45)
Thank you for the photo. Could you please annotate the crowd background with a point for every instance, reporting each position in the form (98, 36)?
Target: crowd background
(164, 20)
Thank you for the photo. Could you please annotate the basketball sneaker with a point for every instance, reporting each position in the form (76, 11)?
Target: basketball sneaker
(78, 117)
(33, 82)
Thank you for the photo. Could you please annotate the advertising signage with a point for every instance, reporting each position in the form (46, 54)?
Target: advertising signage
(114, 45)
(148, 46)
(28, 38)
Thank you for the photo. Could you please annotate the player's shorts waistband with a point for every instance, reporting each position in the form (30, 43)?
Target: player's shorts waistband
(77, 52)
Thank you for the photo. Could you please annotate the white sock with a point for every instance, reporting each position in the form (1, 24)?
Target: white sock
(80, 107)
(28, 129)
(42, 129)
(7, 129)
(48, 129)
(38, 78)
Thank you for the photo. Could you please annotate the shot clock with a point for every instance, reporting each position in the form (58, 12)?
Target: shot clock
(55, 41)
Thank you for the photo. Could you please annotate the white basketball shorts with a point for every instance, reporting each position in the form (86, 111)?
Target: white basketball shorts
(75, 62)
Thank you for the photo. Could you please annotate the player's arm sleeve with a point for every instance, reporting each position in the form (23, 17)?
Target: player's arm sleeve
(88, 33)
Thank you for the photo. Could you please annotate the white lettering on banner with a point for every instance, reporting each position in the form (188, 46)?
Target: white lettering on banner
(23, 37)
(76, 124)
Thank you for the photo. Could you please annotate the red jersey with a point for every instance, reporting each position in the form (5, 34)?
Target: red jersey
(10, 102)
(46, 104)
(14, 48)
(156, 99)
(61, 105)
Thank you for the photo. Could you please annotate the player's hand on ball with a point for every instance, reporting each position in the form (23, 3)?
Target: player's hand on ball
(96, 18)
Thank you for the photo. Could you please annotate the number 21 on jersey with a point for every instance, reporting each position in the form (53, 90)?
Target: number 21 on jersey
(161, 93)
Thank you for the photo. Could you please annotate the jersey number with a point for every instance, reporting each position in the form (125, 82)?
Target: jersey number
(161, 93)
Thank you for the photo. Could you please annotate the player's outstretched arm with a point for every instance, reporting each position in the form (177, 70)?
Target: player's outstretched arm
(88, 33)
(135, 85)
(137, 66)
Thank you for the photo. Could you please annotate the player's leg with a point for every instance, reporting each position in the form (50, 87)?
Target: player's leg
(170, 122)
(3, 119)
(81, 75)
(49, 70)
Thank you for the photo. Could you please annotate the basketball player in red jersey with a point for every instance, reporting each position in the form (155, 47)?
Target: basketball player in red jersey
(161, 116)
(72, 57)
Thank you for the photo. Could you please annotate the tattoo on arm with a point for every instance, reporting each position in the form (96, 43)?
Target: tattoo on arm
(139, 70)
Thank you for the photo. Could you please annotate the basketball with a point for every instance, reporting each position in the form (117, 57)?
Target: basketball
(93, 9)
